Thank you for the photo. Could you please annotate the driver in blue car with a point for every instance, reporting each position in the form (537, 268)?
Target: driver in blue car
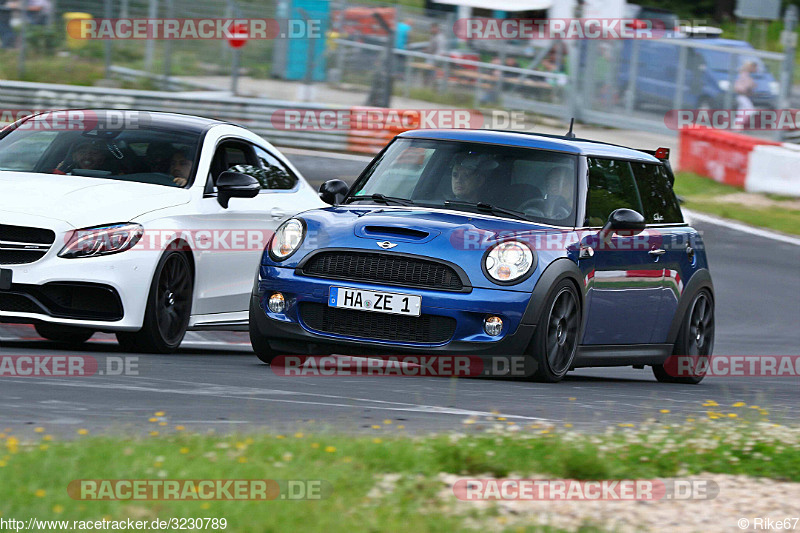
(469, 175)
(558, 193)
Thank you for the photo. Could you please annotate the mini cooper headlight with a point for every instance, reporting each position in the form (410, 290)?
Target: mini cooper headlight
(287, 239)
(509, 262)
(102, 240)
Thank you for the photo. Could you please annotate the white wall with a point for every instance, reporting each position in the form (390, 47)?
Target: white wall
(774, 169)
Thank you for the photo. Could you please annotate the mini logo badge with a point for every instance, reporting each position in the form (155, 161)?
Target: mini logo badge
(386, 245)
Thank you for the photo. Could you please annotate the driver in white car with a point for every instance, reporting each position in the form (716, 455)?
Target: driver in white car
(87, 155)
(180, 167)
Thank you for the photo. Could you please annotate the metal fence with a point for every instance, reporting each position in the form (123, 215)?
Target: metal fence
(630, 83)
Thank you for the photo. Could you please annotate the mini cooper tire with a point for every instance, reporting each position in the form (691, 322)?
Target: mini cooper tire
(260, 344)
(65, 334)
(555, 341)
(695, 338)
(169, 306)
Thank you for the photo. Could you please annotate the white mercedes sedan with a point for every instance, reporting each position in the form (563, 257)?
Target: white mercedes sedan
(141, 224)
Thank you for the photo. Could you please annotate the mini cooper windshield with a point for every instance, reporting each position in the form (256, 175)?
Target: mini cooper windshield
(510, 182)
(140, 154)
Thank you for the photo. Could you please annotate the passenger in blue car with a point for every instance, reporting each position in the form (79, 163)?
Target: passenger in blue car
(469, 176)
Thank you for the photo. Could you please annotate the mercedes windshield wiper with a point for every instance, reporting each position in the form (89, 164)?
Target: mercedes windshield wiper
(377, 197)
(489, 208)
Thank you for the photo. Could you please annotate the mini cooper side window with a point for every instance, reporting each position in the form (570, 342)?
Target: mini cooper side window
(660, 204)
(611, 186)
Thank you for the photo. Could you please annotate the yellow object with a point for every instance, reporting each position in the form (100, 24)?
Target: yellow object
(73, 28)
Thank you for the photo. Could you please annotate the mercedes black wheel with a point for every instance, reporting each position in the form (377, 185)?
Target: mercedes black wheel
(169, 306)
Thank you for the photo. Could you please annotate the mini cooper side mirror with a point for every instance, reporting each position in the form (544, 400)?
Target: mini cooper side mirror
(236, 185)
(626, 220)
(333, 191)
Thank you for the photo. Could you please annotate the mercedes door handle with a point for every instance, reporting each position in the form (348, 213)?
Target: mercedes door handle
(657, 252)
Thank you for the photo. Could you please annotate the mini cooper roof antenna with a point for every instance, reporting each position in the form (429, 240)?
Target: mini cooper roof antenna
(569, 134)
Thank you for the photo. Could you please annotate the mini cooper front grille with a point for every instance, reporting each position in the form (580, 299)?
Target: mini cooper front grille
(389, 269)
(20, 245)
(425, 329)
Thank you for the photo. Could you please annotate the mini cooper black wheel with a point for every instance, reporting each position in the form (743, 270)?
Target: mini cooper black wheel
(260, 344)
(168, 308)
(695, 339)
(556, 339)
(66, 334)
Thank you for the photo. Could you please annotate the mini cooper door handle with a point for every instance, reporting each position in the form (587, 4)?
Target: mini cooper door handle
(657, 252)
(277, 214)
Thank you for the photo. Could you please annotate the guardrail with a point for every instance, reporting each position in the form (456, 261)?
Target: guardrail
(254, 113)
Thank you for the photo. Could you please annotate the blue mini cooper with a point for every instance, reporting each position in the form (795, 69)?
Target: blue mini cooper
(565, 252)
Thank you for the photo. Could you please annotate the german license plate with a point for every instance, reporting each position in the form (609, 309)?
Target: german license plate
(378, 302)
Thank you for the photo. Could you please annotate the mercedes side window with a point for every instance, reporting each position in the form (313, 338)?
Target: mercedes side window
(611, 187)
(655, 189)
(271, 173)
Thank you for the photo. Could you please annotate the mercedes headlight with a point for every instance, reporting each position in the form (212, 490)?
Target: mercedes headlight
(287, 239)
(509, 262)
(102, 240)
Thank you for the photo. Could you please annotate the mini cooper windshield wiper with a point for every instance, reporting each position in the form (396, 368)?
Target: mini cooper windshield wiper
(377, 197)
(488, 208)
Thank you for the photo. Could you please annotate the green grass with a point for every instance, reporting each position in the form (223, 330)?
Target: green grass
(702, 194)
(35, 474)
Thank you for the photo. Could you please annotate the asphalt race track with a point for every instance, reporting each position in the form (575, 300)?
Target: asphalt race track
(215, 382)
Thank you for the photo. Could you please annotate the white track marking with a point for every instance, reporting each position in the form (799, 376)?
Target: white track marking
(241, 393)
(744, 228)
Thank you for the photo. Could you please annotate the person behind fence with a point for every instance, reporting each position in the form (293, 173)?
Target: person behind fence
(7, 36)
(603, 72)
(469, 175)
(437, 46)
(38, 11)
(745, 85)
(402, 31)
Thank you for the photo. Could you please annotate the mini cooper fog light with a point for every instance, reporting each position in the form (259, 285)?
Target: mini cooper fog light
(276, 303)
(493, 325)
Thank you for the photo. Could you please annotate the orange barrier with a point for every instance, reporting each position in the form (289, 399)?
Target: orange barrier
(367, 137)
(717, 154)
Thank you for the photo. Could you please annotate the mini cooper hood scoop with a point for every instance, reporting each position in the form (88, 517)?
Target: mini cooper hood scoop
(396, 232)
